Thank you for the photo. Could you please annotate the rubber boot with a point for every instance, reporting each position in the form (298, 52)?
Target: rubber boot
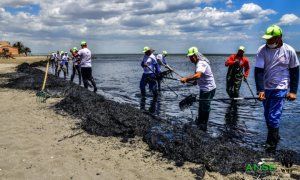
(72, 78)
(94, 84)
(230, 93)
(236, 94)
(202, 120)
(67, 65)
(58, 72)
(159, 85)
(79, 79)
(272, 140)
(143, 92)
(155, 93)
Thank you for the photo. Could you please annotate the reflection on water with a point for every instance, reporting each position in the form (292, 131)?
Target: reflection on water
(242, 121)
(231, 119)
(154, 105)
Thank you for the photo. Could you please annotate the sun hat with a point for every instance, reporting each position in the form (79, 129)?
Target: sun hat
(272, 31)
(192, 51)
(146, 48)
(242, 48)
(74, 49)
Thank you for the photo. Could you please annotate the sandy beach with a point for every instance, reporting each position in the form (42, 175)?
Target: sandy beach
(21, 59)
(37, 142)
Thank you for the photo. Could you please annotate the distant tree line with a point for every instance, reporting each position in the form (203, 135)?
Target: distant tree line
(22, 49)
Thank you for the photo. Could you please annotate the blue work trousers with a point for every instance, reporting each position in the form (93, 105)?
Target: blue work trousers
(273, 105)
(148, 79)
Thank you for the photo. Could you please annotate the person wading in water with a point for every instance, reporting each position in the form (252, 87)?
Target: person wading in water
(76, 65)
(206, 82)
(237, 64)
(86, 65)
(276, 70)
(151, 72)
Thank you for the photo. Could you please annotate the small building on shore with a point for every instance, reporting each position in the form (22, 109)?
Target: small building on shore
(5, 47)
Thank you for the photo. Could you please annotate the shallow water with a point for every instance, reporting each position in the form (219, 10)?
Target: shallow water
(118, 77)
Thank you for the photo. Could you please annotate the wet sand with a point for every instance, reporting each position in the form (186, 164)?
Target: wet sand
(36, 142)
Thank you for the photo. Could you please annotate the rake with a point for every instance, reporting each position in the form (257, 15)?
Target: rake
(191, 99)
(42, 96)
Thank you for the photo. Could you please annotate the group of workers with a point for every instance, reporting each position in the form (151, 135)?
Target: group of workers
(81, 63)
(152, 68)
(276, 71)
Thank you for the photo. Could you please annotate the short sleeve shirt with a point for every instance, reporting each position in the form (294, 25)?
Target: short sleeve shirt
(150, 61)
(159, 59)
(206, 82)
(85, 57)
(276, 64)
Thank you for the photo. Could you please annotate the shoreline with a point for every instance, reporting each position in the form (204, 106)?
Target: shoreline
(37, 142)
(22, 59)
(133, 141)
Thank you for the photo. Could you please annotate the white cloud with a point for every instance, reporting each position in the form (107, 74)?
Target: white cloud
(161, 6)
(131, 20)
(160, 22)
(289, 19)
(251, 10)
(229, 3)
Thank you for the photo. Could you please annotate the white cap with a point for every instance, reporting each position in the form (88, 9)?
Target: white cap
(159, 57)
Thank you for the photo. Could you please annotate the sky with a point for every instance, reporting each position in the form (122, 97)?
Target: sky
(126, 26)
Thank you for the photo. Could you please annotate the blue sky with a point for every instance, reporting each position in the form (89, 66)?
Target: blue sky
(126, 26)
(33, 9)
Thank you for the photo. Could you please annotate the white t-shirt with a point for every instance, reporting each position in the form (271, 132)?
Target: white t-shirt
(150, 61)
(206, 82)
(159, 58)
(85, 57)
(58, 57)
(53, 56)
(276, 64)
(65, 57)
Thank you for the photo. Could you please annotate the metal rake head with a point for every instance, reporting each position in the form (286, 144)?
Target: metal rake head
(167, 73)
(41, 97)
(187, 102)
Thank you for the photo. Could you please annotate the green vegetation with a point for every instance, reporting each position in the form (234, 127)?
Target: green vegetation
(22, 49)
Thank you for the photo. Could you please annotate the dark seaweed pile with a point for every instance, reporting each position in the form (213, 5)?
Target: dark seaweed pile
(104, 117)
(177, 142)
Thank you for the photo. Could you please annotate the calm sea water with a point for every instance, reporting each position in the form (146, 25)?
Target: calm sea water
(118, 77)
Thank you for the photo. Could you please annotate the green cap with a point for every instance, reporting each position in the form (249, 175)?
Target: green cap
(83, 43)
(242, 48)
(192, 51)
(146, 48)
(165, 52)
(74, 49)
(272, 31)
(61, 52)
